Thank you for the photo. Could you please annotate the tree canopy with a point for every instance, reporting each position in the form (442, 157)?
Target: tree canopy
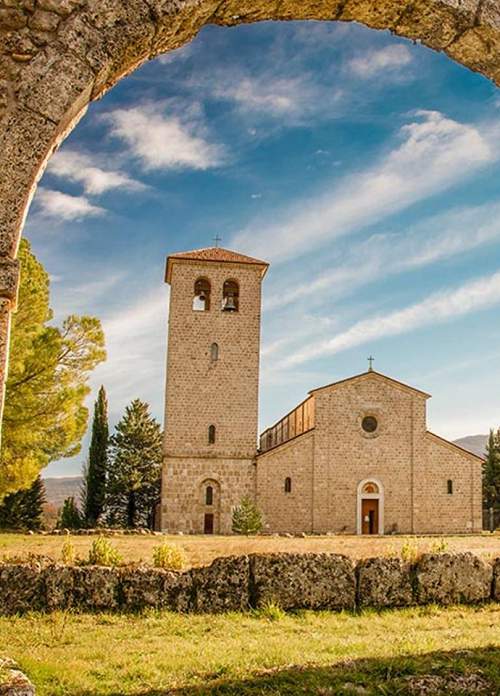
(134, 467)
(44, 417)
(94, 487)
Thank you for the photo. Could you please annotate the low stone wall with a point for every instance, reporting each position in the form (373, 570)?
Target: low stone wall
(237, 583)
(12, 681)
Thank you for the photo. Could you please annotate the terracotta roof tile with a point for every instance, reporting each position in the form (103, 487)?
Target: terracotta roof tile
(216, 254)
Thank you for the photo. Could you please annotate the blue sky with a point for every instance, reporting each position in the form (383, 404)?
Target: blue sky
(365, 168)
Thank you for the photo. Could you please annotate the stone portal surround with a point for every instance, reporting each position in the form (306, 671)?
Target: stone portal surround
(58, 55)
(239, 583)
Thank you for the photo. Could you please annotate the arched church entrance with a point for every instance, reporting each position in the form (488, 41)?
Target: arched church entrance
(58, 57)
(370, 507)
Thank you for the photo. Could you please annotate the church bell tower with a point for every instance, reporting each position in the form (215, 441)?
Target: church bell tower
(211, 405)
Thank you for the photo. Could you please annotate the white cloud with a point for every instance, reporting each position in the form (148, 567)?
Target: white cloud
(178, 54)
(435, 153)
(58, 205)
(78, 167)
(430, 241)
(375, 61)
(163, 141)
(436, 308)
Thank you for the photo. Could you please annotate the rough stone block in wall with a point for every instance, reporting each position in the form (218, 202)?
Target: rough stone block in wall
(178, 592)
(303, 581)
(496, 580)
(20, 588)
(141, 587)
(96, 588)
(447, 578)
(58, 586)
(384, 582)
(223, 585)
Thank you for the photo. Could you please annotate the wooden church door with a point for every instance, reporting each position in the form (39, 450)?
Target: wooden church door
(369, 516)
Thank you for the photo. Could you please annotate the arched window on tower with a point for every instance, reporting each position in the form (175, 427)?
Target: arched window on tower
(214, 352)
(211, 434)
(288, 485)
(209, 495)
(230, 296)
(201, 299)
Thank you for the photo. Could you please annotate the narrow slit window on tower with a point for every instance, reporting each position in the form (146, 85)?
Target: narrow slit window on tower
(201, 299)
(230, 296)
(211, 434)
(214, 352)
(288, 485)
(209, 496)
(449, 486)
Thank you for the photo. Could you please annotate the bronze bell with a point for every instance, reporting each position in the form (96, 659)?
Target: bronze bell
(229, 304)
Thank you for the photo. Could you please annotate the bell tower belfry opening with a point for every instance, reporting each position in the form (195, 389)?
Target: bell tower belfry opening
(211, 404)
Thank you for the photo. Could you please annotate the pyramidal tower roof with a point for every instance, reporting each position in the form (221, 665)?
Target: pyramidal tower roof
(212, 254)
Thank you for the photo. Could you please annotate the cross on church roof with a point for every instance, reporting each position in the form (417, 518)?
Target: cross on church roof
(370, 363)
(217, 239)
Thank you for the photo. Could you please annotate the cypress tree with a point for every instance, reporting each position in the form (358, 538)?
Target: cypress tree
(491, 472)
(247, 518)
(94, 485)
(23, 510)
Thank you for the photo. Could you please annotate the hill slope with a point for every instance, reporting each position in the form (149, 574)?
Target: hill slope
(474, 443)
(57, 489)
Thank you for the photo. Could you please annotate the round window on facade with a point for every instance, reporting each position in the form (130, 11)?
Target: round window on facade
(369, 424)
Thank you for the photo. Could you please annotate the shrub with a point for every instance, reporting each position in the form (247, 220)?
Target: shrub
(439, 546)
(169, 557)
(102, 552)
(271, 611)
(410, 551)
(68, 552)
(247, 518)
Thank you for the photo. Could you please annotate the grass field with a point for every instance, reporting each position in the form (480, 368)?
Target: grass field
(267, 652)
(201, 550)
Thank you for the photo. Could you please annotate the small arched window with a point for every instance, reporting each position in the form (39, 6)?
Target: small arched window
(211, 434)
(214, 352)
(230, 296)
(201, 299)
(288, 485)
(449, 486)
(209, 496)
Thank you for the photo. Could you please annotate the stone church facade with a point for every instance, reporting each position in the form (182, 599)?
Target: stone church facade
(354, 457)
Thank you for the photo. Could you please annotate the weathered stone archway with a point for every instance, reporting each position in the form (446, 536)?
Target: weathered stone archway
(58, 55)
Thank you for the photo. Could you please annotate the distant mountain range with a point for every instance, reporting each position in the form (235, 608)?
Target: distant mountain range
(474, 443)
(58, 489)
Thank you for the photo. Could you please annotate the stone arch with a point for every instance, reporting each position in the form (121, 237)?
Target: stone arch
(57, 56)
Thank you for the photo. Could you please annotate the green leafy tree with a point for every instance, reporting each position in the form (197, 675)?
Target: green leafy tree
(45, 417)
(69, 517)
(134, 468)
(491, 472)
(94, 485)
(23, 510)
(247, 518)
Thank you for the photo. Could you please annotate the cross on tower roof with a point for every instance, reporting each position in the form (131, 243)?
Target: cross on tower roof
(217, 239)
(370, 363)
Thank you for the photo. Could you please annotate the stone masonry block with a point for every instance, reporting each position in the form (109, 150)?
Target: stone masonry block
(96, 588)
(496, 580)
(223, 585)
(384, 582)
(20, 588)
(141, 587)
(303, 581)
(58, 587)
(447, 578)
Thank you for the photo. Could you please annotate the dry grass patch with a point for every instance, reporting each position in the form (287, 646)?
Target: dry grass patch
(201, 550)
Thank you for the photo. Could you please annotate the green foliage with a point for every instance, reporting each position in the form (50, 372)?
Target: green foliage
(439, 546)
(134, 468)
(95, 472)
(169, 557)
(69, 517)
(410, 551)
(45, 417)
(23, 510)
(271, 611)
(102, 552)
(247, 518)
(68, 552)
(491, 472)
